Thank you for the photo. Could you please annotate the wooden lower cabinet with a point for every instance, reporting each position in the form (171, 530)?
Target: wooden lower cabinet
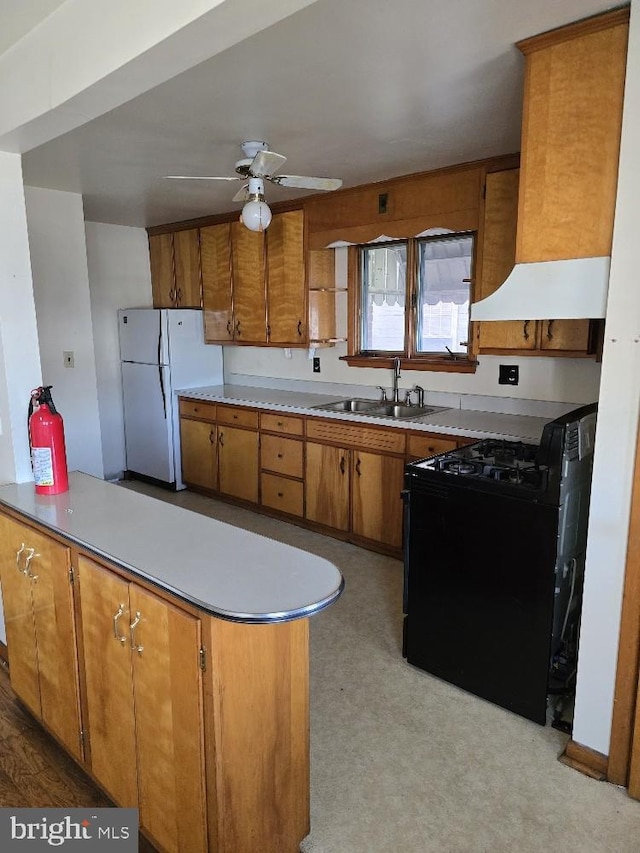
(199, 722)
(144, 705)
(41, 640)
(356, 491)
(376, 483)
(327, 485)
(199, 444)
(238, 462)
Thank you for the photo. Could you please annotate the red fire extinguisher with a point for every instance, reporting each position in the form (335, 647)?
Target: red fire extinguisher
(46, 437)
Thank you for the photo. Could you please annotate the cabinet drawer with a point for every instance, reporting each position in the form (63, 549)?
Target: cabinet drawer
(423, 446)
(281, 423)
(280, 493)
(347, 435)
(238, 416)
(283, 455)
(201, 411)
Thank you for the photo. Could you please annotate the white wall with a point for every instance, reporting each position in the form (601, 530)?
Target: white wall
(571, 380)
(615, 441)
(61, 291)
(119, 277)
(19, 356)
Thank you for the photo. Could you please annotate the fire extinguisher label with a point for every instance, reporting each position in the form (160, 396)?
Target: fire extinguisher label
(42, 466)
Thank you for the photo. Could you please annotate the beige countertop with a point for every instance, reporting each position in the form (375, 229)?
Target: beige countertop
(223, 570)
(467, 423)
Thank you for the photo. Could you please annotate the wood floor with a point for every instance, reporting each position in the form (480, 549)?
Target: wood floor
(34, 771)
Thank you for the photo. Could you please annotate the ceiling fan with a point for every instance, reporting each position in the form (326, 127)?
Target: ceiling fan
(257, 166)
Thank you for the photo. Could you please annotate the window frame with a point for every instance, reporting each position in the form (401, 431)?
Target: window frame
(410, 358)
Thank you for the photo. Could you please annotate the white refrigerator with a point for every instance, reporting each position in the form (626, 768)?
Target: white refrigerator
(161, 351)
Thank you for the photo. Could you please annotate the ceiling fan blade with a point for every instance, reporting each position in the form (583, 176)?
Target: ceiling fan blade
(266, 163)
(242, 194)
(202, 178)
(305, 182)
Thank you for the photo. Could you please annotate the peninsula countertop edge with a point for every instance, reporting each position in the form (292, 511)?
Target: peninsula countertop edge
(225, 571)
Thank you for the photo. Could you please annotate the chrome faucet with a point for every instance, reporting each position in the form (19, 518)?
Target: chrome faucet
(396, 376)
(420, 393)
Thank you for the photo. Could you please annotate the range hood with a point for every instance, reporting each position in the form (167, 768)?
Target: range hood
(574, 289)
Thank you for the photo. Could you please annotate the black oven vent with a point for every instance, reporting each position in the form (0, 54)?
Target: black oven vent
(572, 442)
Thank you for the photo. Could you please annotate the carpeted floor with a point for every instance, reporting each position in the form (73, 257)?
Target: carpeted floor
(401, 761)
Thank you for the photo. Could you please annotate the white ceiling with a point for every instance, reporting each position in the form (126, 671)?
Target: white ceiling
(361, 90)
(17, 17)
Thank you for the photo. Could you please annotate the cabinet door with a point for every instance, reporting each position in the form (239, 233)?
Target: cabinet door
(104, 603)
(215, 257)
(249, 292)
(198, 441)
(186, 250)
(41, 640)
(18, 615)
(327, 485)
(286, 290)
(169, 723)
(162, 270)
(376, 483)
(565, 335)
(54, 619)
(238, 462)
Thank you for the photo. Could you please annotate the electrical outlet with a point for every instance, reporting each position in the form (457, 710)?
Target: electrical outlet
(316, 364)
(508, 374)
(67, 358)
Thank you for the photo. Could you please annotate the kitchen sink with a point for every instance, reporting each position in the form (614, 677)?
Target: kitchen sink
(348, 406)
(375, 408)
(401, 410)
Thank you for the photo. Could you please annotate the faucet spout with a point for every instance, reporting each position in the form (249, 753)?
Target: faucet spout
(396, 376)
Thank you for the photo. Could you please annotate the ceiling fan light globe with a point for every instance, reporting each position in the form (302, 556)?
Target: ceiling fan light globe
(256, 215)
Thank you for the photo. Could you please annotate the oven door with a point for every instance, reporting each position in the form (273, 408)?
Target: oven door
(480, 592)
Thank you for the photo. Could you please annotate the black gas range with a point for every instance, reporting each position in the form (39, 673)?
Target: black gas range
(507, 467)
(495, 542)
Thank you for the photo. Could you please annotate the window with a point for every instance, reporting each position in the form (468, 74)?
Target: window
(413, 299)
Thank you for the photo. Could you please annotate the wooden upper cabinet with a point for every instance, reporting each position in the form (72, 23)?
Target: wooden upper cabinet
(286, 289)
(186, 251)
(217, 302)
(574, 86)
(497, 257)
(249, 290)
(162, 270)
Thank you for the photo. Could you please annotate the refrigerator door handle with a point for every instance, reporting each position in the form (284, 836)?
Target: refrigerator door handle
(162, 391)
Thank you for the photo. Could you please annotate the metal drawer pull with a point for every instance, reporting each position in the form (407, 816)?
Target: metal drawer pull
(550, 330)
(221, 439)
(27, 570)
(525, 330)
(280, 495)
(132, 629)
(279, 455)
(212, 436)
(300, 328)
(342, 465)
(229, 332)
(118, 614)
(358, 471)
(18, 553)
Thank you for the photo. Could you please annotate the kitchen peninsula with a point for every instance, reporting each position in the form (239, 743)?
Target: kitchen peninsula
(168, 653)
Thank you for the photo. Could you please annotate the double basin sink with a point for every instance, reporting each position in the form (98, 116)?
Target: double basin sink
(375, 408)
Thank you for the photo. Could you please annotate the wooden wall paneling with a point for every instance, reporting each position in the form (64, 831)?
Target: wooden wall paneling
(259, 692)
